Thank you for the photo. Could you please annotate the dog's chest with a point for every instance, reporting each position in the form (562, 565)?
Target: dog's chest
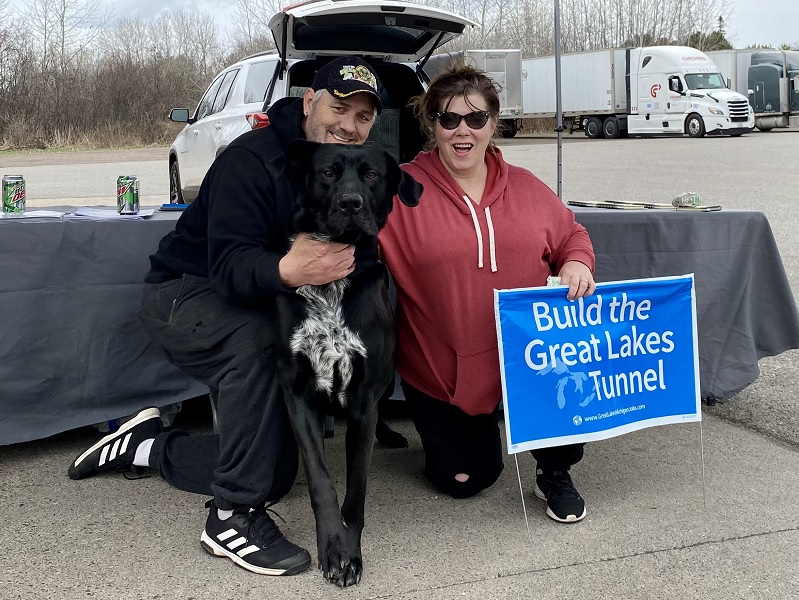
(324, 338)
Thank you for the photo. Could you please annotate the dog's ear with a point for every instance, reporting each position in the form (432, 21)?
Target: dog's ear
(298, 156)
(410, 190)
(407, 188)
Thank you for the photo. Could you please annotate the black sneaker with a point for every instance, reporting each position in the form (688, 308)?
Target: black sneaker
(564, 503)
(117, 449)
(251, 539)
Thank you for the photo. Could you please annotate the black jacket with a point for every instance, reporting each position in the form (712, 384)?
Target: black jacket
(238, 228)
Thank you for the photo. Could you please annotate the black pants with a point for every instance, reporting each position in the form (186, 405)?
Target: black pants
(455, 442)
(254, 457)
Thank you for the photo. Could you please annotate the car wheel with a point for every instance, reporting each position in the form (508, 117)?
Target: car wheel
(611, 128)
(175, 194)
(694, 126)
(507, 128)
(593, 128)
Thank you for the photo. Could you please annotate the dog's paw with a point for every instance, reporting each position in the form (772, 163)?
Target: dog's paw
(340, 567)
(350, 574)
(388, 437)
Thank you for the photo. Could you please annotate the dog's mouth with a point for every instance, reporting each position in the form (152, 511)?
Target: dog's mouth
(340, 223)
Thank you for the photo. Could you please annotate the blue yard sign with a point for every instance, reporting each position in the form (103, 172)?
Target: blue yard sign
(621, 360)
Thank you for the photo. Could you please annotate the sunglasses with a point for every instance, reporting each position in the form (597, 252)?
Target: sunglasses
(475, 120)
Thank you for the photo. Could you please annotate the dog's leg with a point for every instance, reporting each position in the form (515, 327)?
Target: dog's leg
(384, 434)
(332, 555)
(307, 417)
(362, 416)
(360, 440)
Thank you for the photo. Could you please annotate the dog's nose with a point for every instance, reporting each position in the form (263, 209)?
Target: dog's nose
(350, 203)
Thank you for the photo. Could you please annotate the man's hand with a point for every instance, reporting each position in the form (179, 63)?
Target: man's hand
(312, 262)
(579, 279)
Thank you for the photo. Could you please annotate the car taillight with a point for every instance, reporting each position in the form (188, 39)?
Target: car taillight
(257, 120)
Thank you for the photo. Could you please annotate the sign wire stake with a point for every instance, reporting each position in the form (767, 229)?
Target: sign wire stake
(702, 454)
(521, 492)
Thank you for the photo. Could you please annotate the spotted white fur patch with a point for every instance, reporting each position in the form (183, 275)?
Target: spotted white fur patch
(324, 337)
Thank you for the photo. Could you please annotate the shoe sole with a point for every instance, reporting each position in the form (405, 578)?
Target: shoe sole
(214, 549)
(553, 516)
(144, 415)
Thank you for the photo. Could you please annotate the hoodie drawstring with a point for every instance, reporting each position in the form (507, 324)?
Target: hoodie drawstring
(479, 233)
(491, 247)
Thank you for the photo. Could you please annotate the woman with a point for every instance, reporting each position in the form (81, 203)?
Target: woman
(481, 224)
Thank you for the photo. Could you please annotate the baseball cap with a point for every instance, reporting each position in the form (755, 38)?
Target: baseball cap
(348, 75)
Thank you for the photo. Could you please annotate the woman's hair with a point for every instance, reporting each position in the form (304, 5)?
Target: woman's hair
(459, 80)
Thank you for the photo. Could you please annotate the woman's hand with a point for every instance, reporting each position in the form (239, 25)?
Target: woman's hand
(579, 279)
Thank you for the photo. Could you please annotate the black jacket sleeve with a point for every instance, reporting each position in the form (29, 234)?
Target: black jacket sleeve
(249, 211)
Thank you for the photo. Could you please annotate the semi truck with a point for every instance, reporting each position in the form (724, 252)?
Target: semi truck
(652, 90)
(769, 78)
(503, 66)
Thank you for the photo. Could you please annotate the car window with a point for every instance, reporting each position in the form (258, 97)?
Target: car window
(258, 77)
(205, 105)
(224, 91)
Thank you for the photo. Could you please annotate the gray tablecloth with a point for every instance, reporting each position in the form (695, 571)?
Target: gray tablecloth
(745, 308)
(72, 353)
(71, 350)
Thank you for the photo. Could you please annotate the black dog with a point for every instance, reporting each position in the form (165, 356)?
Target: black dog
(337, 340)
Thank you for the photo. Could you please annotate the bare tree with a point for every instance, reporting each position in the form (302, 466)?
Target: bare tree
(62, 29)
(249, 30)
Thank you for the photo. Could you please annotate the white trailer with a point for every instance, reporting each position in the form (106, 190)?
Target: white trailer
(636, 91)
(769, 78)
(503, 66)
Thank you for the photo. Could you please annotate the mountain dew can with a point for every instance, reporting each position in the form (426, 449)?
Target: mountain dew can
(13, 194)
(128, 195)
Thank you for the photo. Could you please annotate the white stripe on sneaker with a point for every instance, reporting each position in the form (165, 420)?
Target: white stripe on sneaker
(248, 550)
(226, 535)
(240, 541)
(114, 449)
(141, 417)
(103, 456)
(125, 443)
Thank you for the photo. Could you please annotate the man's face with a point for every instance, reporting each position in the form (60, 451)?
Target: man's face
(338, 120)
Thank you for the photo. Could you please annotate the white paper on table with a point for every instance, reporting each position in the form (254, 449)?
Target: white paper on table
(31, 214)
(106, 214)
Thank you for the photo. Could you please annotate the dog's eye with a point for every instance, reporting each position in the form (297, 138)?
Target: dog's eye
(327, 173)
(371, 175)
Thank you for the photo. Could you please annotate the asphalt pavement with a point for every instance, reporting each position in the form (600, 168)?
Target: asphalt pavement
(687, 511)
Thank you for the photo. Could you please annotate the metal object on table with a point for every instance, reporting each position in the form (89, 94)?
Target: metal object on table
(127, 195)
(13, 194)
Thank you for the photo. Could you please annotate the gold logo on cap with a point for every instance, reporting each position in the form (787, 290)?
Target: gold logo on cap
(359, 73)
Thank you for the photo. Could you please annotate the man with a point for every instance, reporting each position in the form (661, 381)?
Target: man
(209, 305)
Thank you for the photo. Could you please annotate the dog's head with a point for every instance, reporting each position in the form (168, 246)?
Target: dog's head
(344, 190)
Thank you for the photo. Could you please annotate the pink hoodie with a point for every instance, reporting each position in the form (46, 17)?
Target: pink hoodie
(448, 254)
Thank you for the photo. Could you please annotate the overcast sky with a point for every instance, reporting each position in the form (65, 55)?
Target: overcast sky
(752, 22)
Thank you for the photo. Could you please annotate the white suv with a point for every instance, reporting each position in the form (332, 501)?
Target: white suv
(396, 38)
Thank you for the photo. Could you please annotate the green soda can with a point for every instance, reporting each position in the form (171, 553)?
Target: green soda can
(128, 195)
(13, 194)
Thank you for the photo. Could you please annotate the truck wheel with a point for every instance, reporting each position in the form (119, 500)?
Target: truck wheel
(694, 126)
(175, 195)
(765, 128)
(611, 128)
(507, 128)
(593, 128)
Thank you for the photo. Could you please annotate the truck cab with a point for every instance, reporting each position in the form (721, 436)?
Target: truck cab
(676, 89)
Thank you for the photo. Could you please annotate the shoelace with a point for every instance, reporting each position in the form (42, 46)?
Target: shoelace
(132, 472)
(263, 526)
(560, 485)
